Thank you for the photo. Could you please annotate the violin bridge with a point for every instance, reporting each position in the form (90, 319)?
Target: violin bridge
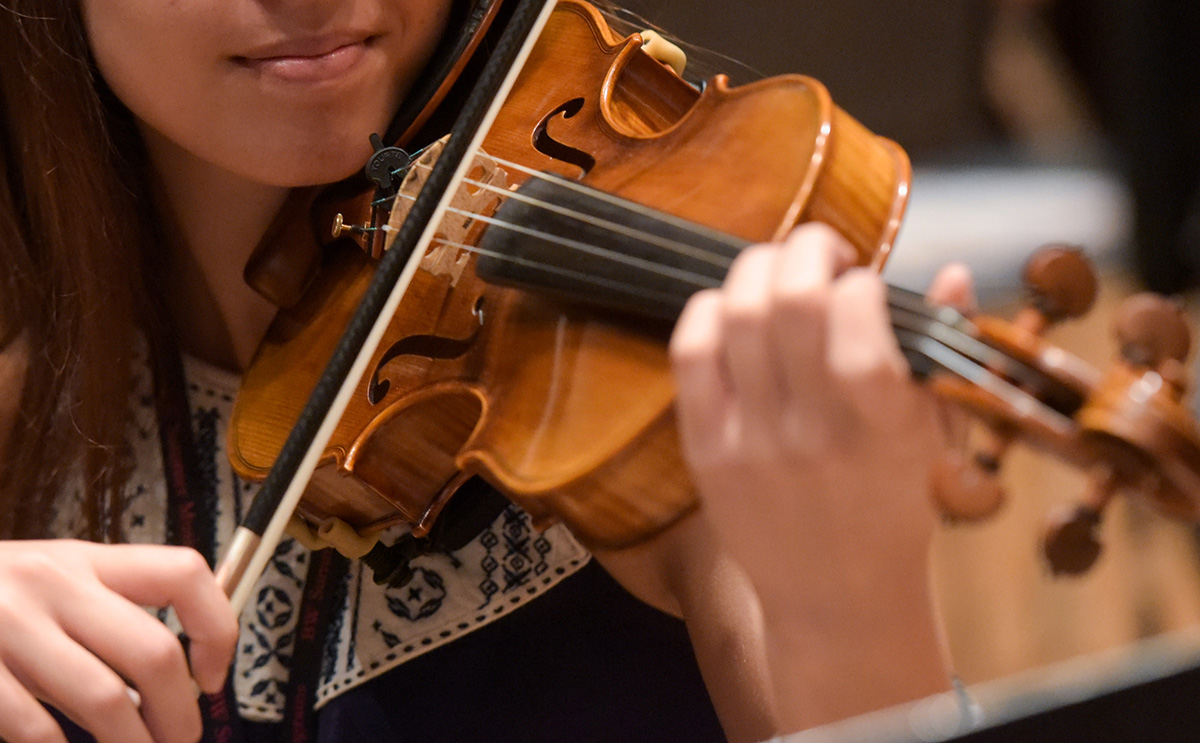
(481, 194)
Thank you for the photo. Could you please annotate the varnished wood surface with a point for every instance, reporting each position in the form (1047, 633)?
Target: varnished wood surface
(574, 412)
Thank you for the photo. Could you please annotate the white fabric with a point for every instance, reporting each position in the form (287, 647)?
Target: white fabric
(378, 627)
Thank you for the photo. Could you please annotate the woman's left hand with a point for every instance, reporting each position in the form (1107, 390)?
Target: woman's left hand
(812, 448)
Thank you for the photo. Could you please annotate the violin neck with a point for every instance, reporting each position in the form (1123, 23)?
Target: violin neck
(561, 238)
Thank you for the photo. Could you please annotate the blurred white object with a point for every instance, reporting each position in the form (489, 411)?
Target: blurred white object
(993, 218)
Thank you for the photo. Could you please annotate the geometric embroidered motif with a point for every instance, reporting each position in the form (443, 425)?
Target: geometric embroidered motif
(378, 627)
(503, 568)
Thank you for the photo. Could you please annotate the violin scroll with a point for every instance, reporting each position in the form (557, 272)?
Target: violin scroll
(1145, 441)
(1059, 285)
(1127, 427)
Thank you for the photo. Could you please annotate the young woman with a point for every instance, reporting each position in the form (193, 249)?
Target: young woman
(147, 145)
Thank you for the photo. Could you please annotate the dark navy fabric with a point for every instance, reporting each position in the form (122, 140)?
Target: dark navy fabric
(585, 663)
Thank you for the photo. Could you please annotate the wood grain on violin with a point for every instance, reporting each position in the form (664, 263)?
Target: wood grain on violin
(566, 410)
(529, 349)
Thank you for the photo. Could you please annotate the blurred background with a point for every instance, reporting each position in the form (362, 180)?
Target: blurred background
(1028, 122)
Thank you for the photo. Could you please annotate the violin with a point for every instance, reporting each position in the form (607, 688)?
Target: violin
(527, 349)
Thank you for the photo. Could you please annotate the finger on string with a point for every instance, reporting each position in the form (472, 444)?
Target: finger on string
(953, 286)
(812, 257)
(702, 390)
(843, 256)
(179, 577)
(863, 349)
(142, 650)
(23, 719)
(66, 675)
(753, 365)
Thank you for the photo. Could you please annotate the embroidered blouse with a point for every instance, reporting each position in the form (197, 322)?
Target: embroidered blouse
(590, 663)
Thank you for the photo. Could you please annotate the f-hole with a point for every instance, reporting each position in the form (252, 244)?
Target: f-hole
(547, 145)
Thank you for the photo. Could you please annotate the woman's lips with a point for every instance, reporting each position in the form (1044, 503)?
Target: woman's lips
(307, 62)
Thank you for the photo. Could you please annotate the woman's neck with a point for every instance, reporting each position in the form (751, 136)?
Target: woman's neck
(214, 220)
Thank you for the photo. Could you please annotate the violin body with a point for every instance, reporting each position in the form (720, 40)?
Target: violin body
(558, 393)
(564, 409)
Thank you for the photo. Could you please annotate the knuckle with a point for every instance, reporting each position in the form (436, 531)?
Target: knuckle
(162, 654)
(885, 408)
(863, 285)
(34, 568)
(192, 567)
(215, 640)
(870, 383)
(750, 266)
(714, 450)
(228, 631)
(694, 339)
(13, 609)
(750, 255)
(689, 350)
(821, 238)
(105, 699)
(819, 231)
(802, 441)
(803, 301)
(869, 369)
(746, 312)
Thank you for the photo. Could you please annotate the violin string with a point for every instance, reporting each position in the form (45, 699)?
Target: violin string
(675, 246)
(695, 280)
(974, 362)
(568, 272)
(948, 356)
(682, 224)
(586, 278)
(698, 280)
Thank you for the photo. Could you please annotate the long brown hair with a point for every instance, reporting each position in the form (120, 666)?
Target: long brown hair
(75, 227)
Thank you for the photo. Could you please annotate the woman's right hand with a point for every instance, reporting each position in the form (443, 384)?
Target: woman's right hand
(73, 634)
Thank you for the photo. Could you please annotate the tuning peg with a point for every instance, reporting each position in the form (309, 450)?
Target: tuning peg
(1071, 543)
(1061, 285)
(1152, 332)
(966, 487)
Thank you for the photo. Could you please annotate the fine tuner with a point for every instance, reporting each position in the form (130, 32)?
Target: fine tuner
(340, 227)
